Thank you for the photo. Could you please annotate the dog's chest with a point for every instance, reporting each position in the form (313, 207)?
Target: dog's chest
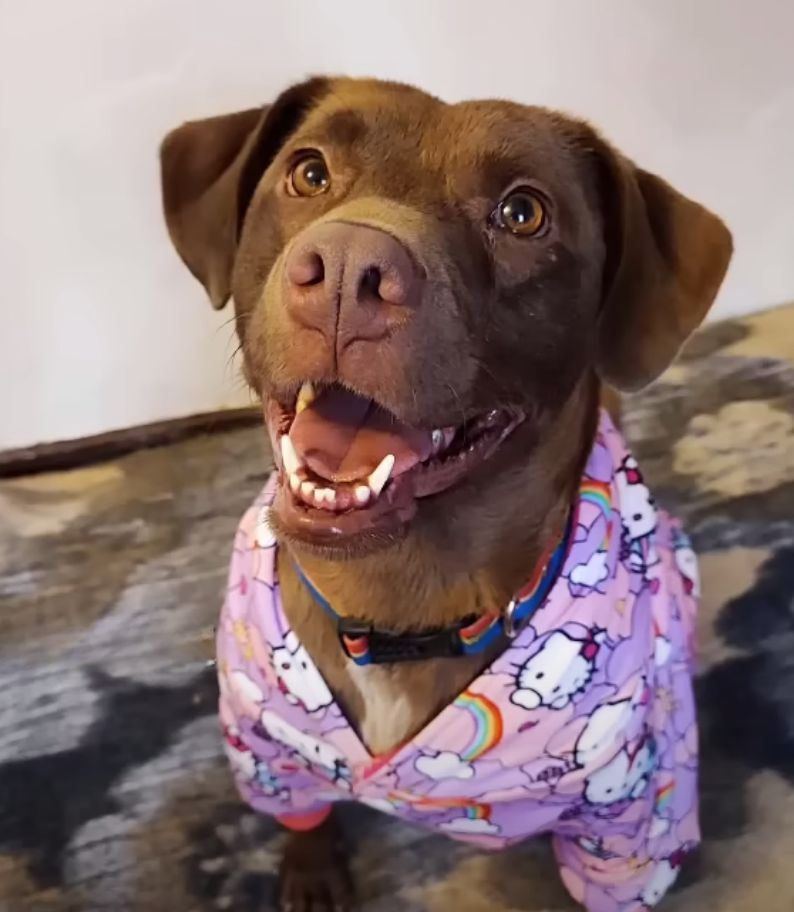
(397, 701)
(390, 715)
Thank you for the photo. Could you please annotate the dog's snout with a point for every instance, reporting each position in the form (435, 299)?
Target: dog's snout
(350, 282)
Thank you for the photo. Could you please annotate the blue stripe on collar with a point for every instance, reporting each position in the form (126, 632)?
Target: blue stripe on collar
(366, 644)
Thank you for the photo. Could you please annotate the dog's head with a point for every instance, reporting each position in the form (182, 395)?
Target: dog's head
(420, 288)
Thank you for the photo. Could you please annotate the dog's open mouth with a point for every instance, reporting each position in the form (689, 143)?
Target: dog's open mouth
(348, 465)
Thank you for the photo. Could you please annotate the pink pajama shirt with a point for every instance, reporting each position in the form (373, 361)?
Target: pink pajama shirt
(584, 727)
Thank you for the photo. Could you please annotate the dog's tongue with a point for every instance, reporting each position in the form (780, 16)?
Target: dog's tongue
(344, 437)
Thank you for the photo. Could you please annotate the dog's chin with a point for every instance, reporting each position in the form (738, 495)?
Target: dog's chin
(346, 512)
(340, 537)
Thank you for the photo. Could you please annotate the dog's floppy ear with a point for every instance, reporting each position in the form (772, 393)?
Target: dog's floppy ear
(666, 259)
(209, 172)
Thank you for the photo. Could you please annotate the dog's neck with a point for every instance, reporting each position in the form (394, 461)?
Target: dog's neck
(467, 561)
(454, 564)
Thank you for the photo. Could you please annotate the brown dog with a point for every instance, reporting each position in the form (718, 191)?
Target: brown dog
(479, 269)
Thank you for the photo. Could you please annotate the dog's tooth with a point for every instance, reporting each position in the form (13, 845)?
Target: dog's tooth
(294, 483)
(437, 439)
(362, 494)
(377, 480)
(324, 495)
(289, 456)
(306, 396)
(307, 489)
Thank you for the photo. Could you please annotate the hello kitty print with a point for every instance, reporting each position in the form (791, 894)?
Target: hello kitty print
(584, 727)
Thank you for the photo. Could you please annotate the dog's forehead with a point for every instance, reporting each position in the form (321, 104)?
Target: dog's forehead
(479, 145)
(372, 117)
(500, 143)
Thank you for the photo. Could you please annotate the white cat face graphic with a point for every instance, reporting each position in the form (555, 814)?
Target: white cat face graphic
(297, 675)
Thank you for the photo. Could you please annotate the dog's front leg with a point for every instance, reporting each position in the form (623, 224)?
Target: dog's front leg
(314, 872)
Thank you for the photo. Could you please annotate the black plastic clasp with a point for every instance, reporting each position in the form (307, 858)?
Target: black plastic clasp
(386, 646)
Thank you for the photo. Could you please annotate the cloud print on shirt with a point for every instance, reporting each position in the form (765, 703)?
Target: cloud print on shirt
(476, 825)
(444, 765)
(593, 572)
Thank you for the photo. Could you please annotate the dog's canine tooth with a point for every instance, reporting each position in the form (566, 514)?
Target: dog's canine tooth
(294, 483)
(437, 439)
(289, 456)
(307, 489)
(362, 494)
(377, 480)
(306, 396)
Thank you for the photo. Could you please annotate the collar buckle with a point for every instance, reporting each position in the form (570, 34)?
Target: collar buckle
(350, 627)
(385, 646)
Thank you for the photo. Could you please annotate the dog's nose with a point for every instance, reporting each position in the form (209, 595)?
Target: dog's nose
(350, 282)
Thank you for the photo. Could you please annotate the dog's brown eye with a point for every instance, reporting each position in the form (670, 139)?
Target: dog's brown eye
(522, 212)
(310, 177)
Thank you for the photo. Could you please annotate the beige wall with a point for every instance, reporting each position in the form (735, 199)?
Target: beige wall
(101, 328)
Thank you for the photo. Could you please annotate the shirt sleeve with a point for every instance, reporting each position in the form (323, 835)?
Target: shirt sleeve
(303, 822)
(600, 875)
(270, 777)
(274, 783)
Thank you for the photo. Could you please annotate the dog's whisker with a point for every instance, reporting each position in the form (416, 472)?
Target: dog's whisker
(459, 403)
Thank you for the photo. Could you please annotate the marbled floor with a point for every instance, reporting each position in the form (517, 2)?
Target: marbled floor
(113, 793)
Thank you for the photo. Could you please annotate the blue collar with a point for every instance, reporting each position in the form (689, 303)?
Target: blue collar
(366, 644)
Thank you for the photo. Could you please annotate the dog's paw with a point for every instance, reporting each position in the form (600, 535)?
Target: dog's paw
(314, 873)
(318, 890)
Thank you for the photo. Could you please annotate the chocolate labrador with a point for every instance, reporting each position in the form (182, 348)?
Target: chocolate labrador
(432, 300)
